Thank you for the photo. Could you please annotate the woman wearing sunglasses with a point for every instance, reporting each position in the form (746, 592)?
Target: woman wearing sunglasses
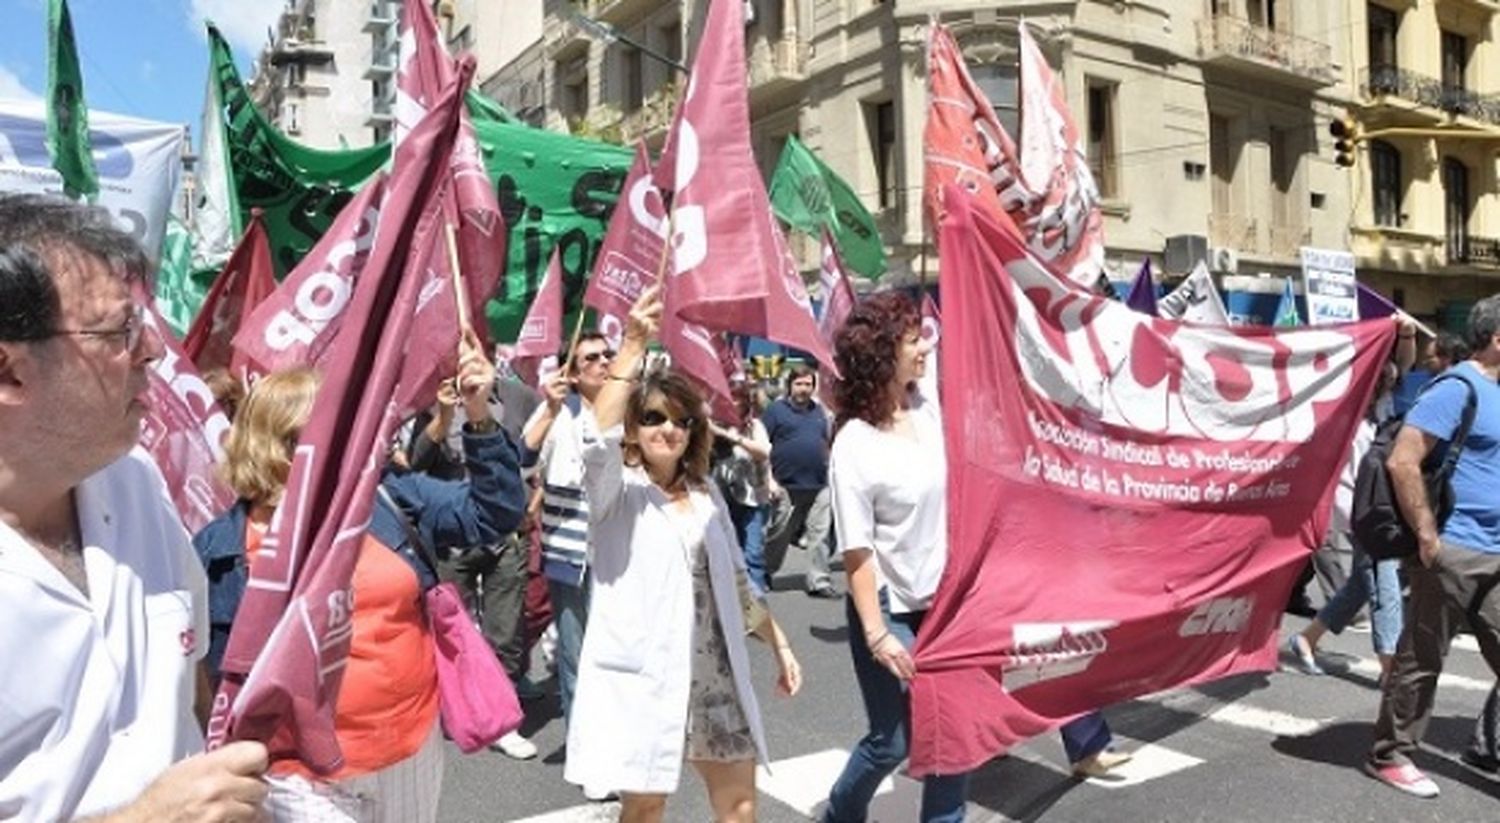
(664, 675)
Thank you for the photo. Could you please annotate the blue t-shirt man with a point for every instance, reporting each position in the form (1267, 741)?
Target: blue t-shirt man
(798, 429)
(1475, 522)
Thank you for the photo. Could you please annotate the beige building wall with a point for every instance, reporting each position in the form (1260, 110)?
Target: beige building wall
(317, 79)
(1413, 232)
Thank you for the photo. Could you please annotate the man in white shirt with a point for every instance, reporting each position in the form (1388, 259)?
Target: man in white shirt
(103, 599)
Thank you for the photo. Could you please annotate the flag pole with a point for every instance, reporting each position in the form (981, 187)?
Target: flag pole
(460, 296)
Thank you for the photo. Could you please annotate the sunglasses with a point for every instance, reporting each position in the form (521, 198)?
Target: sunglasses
(651, 418)
(596, 356)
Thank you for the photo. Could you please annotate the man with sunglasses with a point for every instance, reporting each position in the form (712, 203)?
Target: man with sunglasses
(552, 445)
(104, 601)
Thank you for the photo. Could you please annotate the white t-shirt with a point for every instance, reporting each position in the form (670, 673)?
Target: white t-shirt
(96, 693)
(890, 494)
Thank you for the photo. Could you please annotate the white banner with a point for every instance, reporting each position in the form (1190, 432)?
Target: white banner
(1329, 286)
(138, 163)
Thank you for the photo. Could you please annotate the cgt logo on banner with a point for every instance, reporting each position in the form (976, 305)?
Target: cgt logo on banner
(1129, 498)
(137, 162)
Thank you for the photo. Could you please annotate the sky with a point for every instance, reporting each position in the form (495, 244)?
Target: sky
(143, 58)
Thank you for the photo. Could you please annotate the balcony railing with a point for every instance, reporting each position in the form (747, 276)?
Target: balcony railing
(779, 62)
(1474, 250)
(1286, 241)
(1382, 81)
(1298, 59)
(1234, 231)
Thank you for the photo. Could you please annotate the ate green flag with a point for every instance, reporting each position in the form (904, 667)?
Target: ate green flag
(298, 189)
(554, 190)
(179, 292)
(1286, 309)
(67, 115)
(810, 197)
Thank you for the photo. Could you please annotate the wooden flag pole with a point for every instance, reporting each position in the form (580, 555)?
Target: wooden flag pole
(460, 296)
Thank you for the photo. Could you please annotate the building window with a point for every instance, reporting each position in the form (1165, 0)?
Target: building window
(1221, 159)
(671, 39)
(998, 81)
(573, 87)
(1456, 208)
(291, 118)
(1385, 180)
(1383, 25)
(1284, 162)
(1103, 147)
(1455, 48)
(880, 119)
(630, 76)
(296, 74)
(1266, 13)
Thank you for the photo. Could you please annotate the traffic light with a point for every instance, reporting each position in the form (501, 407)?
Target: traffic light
(1345, 133)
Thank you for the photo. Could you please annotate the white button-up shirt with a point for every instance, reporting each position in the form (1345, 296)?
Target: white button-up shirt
(96, 692)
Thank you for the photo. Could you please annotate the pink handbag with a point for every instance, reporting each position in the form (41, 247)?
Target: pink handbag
(476, 698)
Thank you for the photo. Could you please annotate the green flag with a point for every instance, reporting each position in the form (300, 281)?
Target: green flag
(554, 190)
(810, 197)
(67, 116)
(1286, 309)
(178, 294)
(299, 189)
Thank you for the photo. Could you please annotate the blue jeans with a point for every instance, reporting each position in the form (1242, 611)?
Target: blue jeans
(570, 611)
(1085, 736)
(1377, 582)
(750, 530)
(883, 748)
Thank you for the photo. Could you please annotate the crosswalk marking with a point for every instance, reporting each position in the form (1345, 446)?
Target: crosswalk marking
(802, 782)
(1370, 667)
(1148, 762)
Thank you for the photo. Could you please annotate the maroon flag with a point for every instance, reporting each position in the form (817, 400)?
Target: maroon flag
(246, 280)
(183, 430)
(932, 320)
(297, 323)
(838, 302)
(732, 270)
(286, 655)
(626, 266)
(1129, 498)
(541, 335)
(424, 71)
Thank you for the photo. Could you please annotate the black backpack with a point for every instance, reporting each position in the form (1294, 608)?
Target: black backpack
(1379, 529)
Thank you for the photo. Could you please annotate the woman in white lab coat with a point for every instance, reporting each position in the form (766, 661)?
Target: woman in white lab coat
(664, 673)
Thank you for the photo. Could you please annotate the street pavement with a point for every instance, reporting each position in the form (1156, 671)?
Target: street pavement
(1274, 747)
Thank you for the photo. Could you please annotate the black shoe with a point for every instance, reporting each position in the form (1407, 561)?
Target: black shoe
(1480, 762)
(1301, 608)
(825, 591)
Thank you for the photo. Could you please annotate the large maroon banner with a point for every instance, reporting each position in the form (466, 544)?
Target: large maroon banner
(183, 430)
(1129, 498)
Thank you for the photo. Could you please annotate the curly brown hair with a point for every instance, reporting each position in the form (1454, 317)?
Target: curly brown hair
(865, 349)
(682, 400)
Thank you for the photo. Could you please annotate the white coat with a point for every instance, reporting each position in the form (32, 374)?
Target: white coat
(628, 724)
(96, 692)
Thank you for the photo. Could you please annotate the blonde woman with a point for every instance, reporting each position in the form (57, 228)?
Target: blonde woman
(386, 718)
(664, 674)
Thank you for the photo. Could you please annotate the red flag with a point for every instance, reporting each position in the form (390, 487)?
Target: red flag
(1063, 224)
(470, 205)
(838, 302)
(732, 270)
(1129, 498)
(541, 335)
(286, 655)
(628, 261)
(932, 320)
(183, 430)
(963, 142)
(1045, 187)
(297, 323)
(246, 280)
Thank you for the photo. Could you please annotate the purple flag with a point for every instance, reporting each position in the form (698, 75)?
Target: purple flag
(1142, 295)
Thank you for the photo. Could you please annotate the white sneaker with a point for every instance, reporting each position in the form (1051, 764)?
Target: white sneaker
(593, 794)
(515, 746)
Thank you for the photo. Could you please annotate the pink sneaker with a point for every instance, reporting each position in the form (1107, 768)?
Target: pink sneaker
(1403, 777)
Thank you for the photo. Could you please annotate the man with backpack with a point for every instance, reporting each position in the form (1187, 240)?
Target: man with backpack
(1457, 560)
